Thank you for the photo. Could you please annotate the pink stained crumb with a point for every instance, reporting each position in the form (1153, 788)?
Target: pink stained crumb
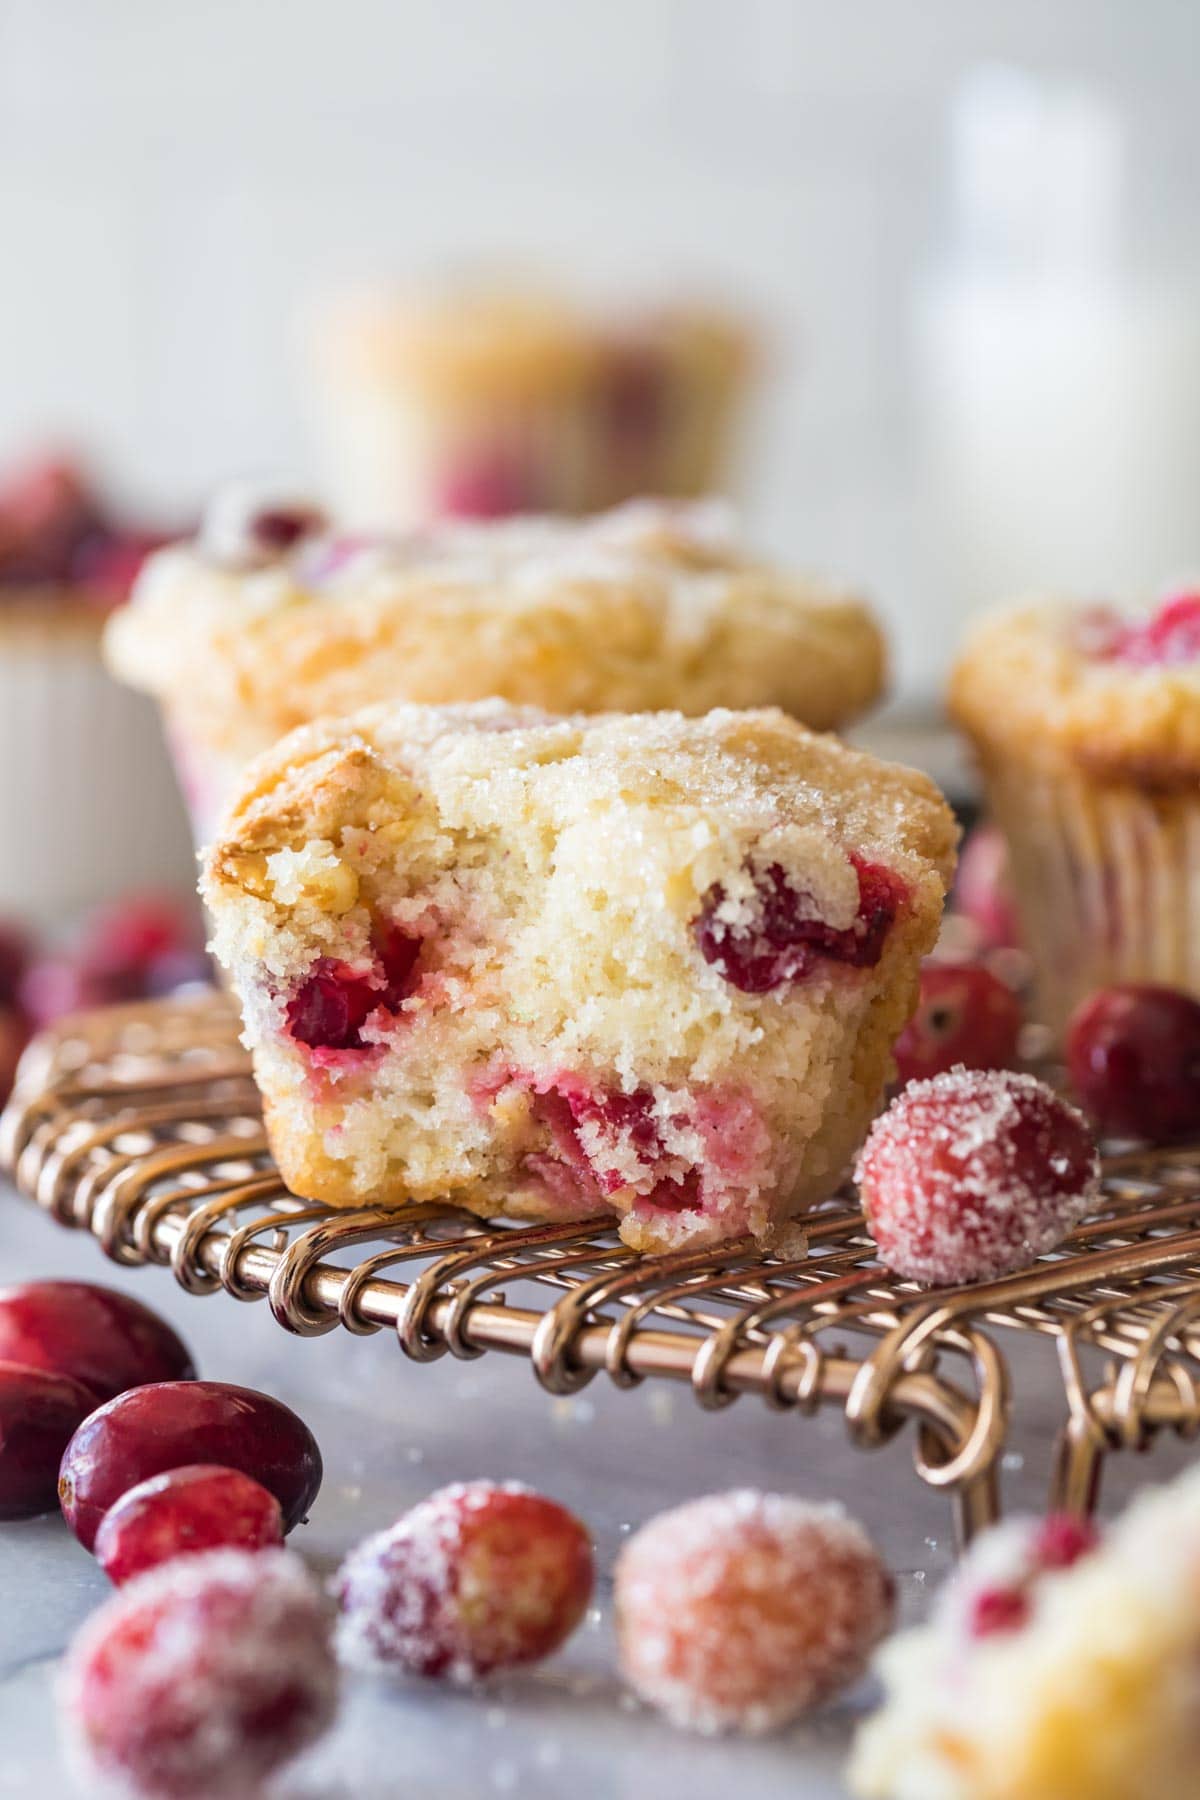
(785, 942)
(739, 1611)
(995, 1590)
(202, 1677)
(973, 1174)
(478, 1577)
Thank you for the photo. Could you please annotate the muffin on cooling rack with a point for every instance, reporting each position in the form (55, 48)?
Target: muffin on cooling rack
(556, 967)
(476, 402)
(1055, 1665)
(1087, 728)
(271, 619)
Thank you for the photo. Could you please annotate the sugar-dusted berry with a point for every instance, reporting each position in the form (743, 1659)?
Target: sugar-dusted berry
(741, 1610)
(476, 1578)
(973, 1174)
(202, 1677)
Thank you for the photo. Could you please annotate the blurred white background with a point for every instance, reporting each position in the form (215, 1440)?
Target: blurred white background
(174, 177)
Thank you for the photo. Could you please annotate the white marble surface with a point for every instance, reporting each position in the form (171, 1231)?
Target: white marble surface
(390, 1432)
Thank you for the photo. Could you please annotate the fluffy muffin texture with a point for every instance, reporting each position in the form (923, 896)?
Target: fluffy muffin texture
(554, 967)
(645, 607)
(1081, 1682)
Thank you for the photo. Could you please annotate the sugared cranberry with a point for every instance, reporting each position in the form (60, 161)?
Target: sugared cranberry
(488, 485)
(1133, 1056)
(330, 1007)
(965, 1015)
(783, 941)
(1171, 637)
(39, 1411)
(103, 1338)
(204, 1507)
(173, 1424)
(996, 1610)
(973, 1174)
(739, 1611)
(476, 1578)
(1061, 1539)
(983, 889)
(202, 1677)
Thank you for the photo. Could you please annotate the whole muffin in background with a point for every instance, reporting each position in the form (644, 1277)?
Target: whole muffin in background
(271, 619)
(644, 966)
(1086, 725)
(478, 402)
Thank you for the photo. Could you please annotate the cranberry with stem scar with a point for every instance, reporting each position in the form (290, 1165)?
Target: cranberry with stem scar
(965, 1016)
(172, 1424)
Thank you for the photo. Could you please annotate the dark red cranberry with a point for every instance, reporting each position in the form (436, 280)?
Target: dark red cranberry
(203, 1507)
(784, 942)
(123, 942)
(1062, 1539)
(1133, 1055)
(329, 1009)
(983, 889)
(965, 1015)
(16, 954)
(489, 485)
(278, 529)
(476, 1578)
(46, 512)
(170, 1425)
(997, 1610)
(101, 1337)
(39, 1411)
(202, 1678)
(1172, 636)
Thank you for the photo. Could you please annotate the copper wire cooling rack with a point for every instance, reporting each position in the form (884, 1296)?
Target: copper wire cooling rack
(141, 1125)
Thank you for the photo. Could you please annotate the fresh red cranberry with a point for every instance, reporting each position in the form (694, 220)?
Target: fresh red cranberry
(16, 954)
(202, 1678)
(182, 1513)
(278, 529)
(983, 889)
(1062, 1539)
(103, 1338)
(46, 512)
(489, 485)
(1133, 1055)
(997, 1610)
(1171, 637)
(123, 942)
(330, 1007)
(172, 1424)
(784, 942)
(476, 1578)
(973, 1174)
(965, 1015)
(39, 1411)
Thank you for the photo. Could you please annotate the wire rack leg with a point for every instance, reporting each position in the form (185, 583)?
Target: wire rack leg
(1078, 1467)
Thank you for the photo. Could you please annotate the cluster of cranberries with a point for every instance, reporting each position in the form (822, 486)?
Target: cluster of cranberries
(56, 531)
(136, 949)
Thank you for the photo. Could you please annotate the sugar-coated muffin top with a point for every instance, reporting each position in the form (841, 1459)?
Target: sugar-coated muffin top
(248, 632)
(1051, 1667)
(510, 343)
(1116, 696)
(726, 778)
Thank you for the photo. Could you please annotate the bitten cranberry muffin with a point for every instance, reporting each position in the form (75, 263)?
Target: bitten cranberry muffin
(1056, 1664)
(557, 967)
(272, 618)
(1086, 724)
(476, 402)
